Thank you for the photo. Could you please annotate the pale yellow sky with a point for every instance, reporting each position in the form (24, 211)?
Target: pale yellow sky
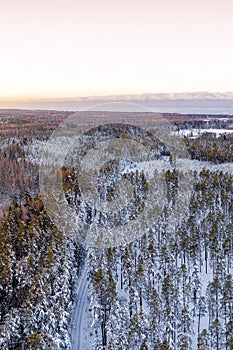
(70, 47)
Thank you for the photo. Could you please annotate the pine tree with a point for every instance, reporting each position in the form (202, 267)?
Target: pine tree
(185, 330)
(216, 330)
(143, 345)
(201, 311)
(203, 342)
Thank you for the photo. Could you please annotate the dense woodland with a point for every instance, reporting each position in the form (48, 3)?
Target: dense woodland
(17, 130)
(37, 264)
(212, 150)
(166, 290)
(155, 293)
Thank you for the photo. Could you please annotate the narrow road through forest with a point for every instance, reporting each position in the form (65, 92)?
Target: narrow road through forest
(79, 321)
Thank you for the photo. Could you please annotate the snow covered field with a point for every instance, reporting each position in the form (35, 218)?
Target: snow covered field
(197, 132)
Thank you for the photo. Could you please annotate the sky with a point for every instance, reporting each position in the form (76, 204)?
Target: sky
(68, 48)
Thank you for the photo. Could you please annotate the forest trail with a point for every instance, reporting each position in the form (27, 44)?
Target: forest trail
(77, 334)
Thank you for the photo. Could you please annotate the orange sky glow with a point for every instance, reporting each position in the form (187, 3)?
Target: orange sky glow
(65, 48)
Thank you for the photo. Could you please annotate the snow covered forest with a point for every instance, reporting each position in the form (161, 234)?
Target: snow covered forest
(170, 291)
(165, 290)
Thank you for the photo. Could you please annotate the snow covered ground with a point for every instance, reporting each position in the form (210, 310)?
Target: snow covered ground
(184, 165)
(197, 132)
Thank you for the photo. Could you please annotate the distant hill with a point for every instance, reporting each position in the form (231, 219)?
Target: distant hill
(194, 102)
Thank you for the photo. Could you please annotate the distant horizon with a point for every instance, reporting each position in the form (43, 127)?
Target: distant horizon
(183, 103)
(202, 94)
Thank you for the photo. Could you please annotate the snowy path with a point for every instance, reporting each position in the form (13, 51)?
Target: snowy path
(80, 330)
